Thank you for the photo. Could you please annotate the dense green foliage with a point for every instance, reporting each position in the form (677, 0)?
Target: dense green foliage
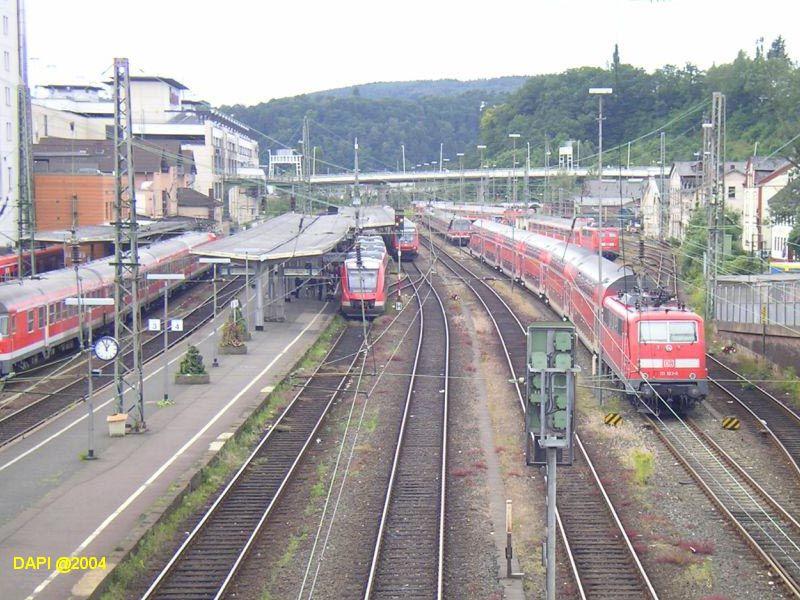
(694, 247)
(381, 125)
(762, 92)
(411, 90)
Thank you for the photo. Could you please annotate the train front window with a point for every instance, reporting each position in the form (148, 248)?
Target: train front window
(364, 280)
(407, 236)
(662, 332)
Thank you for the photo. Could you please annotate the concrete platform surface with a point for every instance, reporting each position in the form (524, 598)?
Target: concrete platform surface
(53, 503)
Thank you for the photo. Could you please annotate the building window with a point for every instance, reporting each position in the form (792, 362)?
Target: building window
(5, 25)
(45, 125)
(731, 191)
(9, 179)
(8, 96)
(8, 131)
(7, 60)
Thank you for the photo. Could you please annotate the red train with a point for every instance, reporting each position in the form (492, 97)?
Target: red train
(581, 231)
(47, 259)
(365, 284)
(653, 346)
(407, 241)
(35, 321)
(452, 227)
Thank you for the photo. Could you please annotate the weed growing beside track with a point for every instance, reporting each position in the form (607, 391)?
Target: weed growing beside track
(211, 477)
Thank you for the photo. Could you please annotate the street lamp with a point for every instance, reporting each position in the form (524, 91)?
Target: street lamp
(81, 302)
(481, 148)
(215, 262)
(514, 137)
(403, 152)
(460, 156)
(600, 92)
(166, 278)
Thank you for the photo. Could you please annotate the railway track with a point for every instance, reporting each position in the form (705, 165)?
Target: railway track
(408, 557)
(53, 396)
(780, 421)
(209, 558)
(767, 527)
(601, 556)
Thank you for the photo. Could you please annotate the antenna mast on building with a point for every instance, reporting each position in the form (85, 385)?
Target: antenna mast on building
(26, 224)
(126, 263)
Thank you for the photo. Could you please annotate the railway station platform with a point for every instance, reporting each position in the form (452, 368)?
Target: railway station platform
(291, 250)
(56, 504)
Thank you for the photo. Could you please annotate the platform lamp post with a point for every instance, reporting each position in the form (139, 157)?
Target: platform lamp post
(600, 92)
(166, 278)
(514, 137)
(482, 186)
(460, 156)
(81, 302)
(214, 262)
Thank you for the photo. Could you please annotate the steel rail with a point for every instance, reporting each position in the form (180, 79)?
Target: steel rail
(772, 534)
(268, 483)
(406, 551)
(452, 264)
(51, 404)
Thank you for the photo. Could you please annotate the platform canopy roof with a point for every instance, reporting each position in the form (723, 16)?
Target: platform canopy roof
(293, 235)
(105, 233)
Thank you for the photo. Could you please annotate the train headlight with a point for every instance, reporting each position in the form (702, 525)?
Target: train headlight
(692, 375)
(645, 376)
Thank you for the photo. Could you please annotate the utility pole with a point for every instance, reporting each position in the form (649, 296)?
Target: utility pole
(663, 217)
(600, 92)
(526, 194)
(514, 137)
(441, 156)
(714, 139)
(546, 169)
(356, 190)
(460, 156)
(403, 152)
(306, 166)
(26, 219)
(126, 264)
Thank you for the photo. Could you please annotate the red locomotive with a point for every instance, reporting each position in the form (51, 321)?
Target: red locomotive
(452, 227)
(35, 321)
(581, 231)
(653, 346)
(47, 259)
(408, 241)
(364, 279)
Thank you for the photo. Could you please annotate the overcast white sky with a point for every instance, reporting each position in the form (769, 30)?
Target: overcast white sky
(239, 51)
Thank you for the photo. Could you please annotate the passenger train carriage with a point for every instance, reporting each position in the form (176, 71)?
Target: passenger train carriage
(407, 241)
(35, 321)
(365, 285)
(654, 347)
(452, 227)
(582, 231)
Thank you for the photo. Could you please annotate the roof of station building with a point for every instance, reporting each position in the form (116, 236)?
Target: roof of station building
(292, 235)
(106, 233)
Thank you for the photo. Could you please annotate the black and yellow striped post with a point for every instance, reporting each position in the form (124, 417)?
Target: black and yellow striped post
(731, 423)
(612, 419)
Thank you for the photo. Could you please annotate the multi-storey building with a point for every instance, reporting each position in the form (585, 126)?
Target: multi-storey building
(763, 179)
(9, 119)
(223, 152)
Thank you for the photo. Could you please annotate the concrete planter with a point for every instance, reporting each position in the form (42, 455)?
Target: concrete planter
(181, 379)
(233, 349)
(116, 424)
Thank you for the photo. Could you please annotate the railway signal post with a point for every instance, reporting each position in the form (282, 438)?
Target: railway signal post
(549, 415)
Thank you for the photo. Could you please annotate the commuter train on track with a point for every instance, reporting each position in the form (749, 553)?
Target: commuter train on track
(35, 321)
(407, 241)
(452, 227)
(364, 279)
(581, 231)
(653, 346)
